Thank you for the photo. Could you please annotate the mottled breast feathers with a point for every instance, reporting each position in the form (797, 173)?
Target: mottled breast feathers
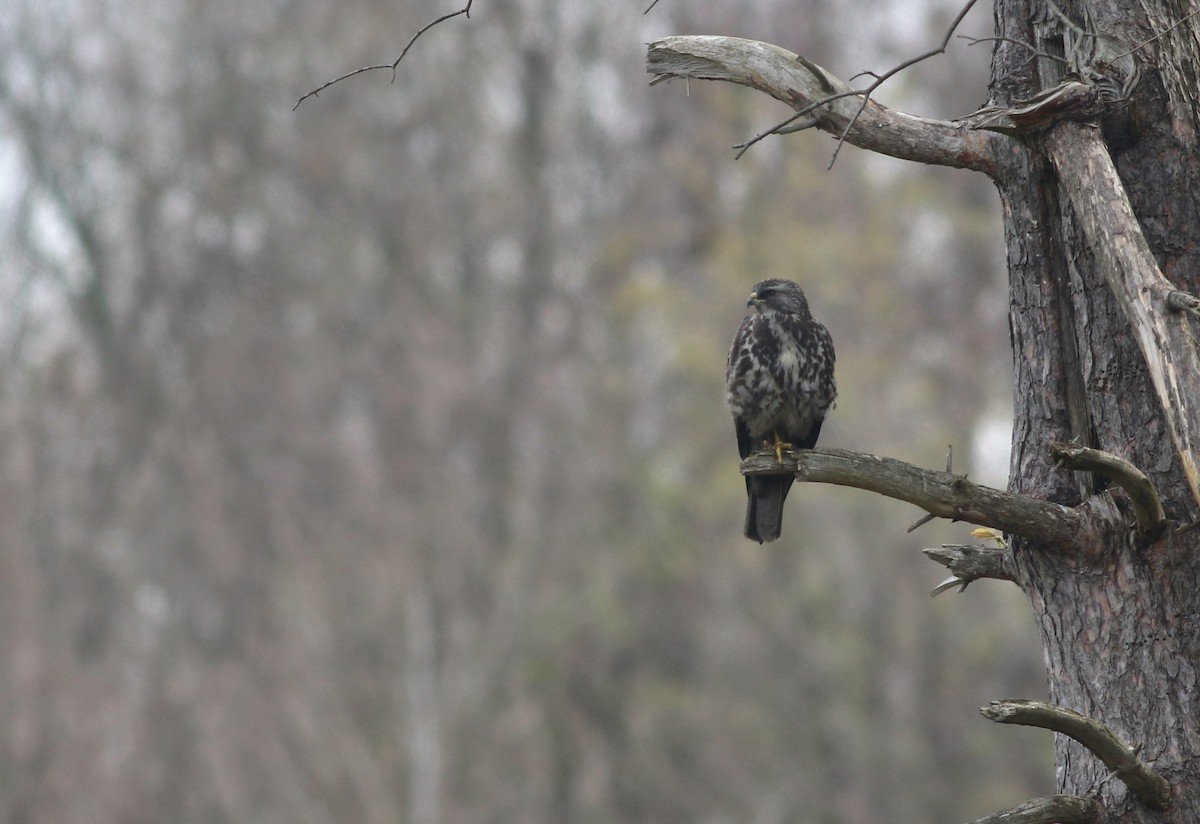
(779, 384)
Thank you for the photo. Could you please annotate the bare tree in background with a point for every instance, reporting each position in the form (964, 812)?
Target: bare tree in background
(367, 462)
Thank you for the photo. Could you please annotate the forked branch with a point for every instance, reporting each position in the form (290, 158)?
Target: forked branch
(835, 107)
(1149, 786)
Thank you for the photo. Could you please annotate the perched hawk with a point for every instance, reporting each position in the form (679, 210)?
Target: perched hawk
(778, 385)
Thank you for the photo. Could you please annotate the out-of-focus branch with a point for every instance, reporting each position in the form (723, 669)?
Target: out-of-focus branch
(1053, 809)
(835, 106)
(1148, 785)
(465, 11)
(939, 493)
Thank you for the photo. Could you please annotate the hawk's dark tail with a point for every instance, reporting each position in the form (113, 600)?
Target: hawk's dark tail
(764, 506)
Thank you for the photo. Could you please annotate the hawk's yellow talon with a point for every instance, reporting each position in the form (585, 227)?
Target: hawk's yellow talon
(780, 445)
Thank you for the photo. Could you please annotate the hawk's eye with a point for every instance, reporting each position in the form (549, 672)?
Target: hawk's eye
(766, 293)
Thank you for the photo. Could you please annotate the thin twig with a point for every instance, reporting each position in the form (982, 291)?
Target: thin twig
(781, 127)
(465, 10)
(920, 522)
(1152, 38)
(880, 79)
(1034, 53)
(651, 6)
(927, 517)
(865, 94)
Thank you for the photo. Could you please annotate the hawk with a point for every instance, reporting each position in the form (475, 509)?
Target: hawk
(778, 386)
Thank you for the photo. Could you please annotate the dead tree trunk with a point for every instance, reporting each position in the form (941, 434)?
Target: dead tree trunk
(1092, 137)
(1119, 621)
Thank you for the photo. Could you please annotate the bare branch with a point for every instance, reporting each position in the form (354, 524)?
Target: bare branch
(1149, 786)
(1183, 302)
(1153, 37)
(465, 10)
(1087, 174)
(791, 125)
(940, 493)
(1142, 494)
(920, 522)
(970, 562)
(1034, 52)
(808, 88)
(927, 517)
(786, 127)
(1054, 809)
(882, 78)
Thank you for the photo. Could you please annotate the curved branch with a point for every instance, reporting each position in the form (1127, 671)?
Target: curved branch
(1149, 786)
(1142, 494)
(808, 88)
(940, 493)
(1054, 809)
(1087, 174)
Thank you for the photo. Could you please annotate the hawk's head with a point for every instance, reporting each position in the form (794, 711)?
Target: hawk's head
(775, 295)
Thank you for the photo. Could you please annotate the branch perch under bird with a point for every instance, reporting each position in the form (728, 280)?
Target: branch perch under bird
(940, 493)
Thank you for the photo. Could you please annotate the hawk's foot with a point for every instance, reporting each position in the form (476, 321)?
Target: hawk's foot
(778, 446)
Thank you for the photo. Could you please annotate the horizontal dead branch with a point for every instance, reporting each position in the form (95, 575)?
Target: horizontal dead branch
(1149, 786)
(1142, 495)
(970, 562)
(834, 104)
(939, 493)
(1053, 809)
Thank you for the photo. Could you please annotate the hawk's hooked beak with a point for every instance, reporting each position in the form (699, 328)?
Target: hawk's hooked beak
(755, 301)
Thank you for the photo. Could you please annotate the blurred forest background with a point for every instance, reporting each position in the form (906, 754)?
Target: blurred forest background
(368, 462)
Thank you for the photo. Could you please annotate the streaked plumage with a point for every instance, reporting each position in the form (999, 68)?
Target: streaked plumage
(778, 384)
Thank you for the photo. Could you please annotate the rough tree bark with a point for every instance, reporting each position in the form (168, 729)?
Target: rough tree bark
(1119, 620)
(1097, 162)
